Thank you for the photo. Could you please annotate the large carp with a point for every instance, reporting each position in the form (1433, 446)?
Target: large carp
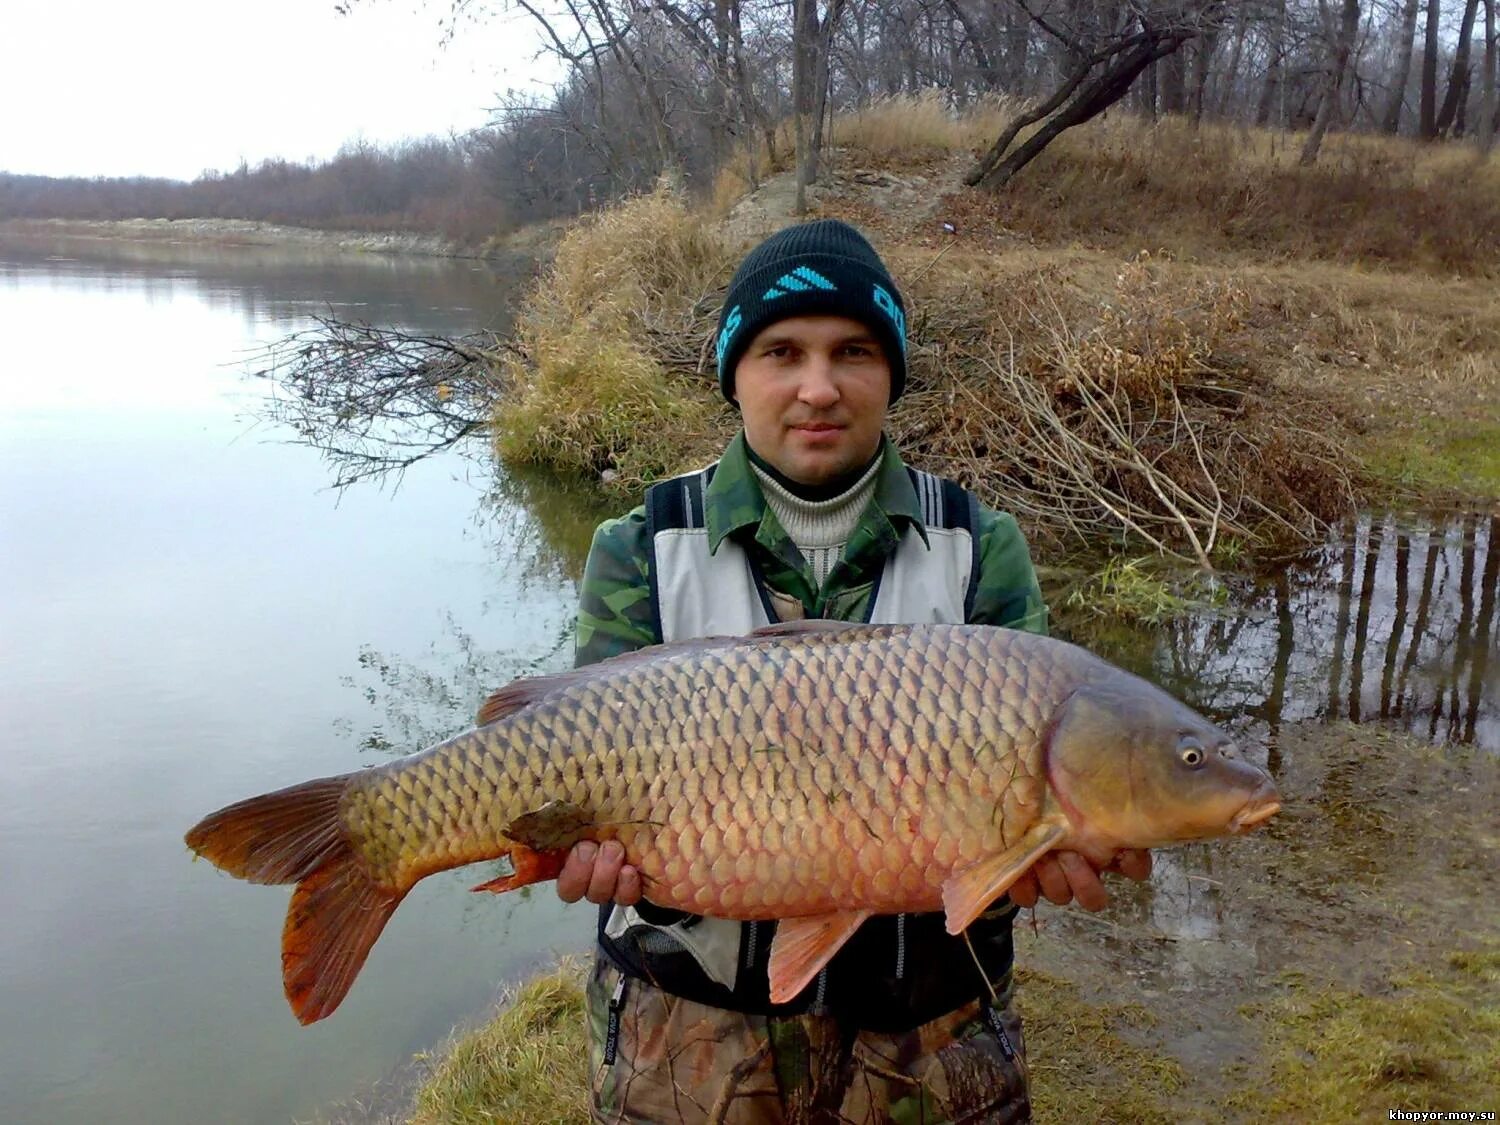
(816, 772)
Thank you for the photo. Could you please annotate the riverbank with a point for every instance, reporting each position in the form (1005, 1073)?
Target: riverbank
(1107, 351)
(534, 240)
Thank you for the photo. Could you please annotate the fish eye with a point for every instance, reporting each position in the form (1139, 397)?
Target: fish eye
(1190, 750)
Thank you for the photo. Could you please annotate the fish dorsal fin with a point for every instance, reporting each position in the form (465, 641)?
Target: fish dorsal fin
(802, 946)
(522, 693)
(808, 625)
(967, 892)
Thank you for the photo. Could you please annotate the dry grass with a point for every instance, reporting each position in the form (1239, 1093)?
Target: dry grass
(747, 168)
(625, 309)
(1124, 182)
(915, 130)
(527, 1065)
(1090, 400)
(1227, 393)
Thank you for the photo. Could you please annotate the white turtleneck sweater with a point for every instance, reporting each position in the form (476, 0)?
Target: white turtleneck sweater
(819, 528)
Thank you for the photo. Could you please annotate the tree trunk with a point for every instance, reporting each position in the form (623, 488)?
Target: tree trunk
(801, 82)
(1017, 42)
(1427, 125)
(1487, 101)
(1232, 72)
(1408, 33)
(1458, 78)
(988, 73)
(1338, 66)
(1085, 95)
(1274, 76)
(1203, 57)
(821, 79)
(1172, 78)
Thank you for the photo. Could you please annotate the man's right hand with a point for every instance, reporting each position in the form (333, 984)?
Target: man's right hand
(600, 874)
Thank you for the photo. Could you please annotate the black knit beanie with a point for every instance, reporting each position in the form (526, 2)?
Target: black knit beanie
(823, 268)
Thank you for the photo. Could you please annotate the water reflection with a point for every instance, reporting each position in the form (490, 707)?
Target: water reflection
(539, 528)
(1393, 623)
(278, 283)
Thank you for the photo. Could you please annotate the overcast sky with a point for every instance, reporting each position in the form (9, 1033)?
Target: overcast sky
(174, 87)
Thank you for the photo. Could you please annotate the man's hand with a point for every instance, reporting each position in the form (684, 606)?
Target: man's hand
(600, 874)
(1061, 877)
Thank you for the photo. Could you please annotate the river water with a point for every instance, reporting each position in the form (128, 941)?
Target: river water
(189, 616)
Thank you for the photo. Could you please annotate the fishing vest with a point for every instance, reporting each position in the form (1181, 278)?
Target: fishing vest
(897, 971)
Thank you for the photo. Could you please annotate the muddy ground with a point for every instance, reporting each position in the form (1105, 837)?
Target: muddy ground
(1342, 962)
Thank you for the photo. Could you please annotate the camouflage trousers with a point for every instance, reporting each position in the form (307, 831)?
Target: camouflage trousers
(676, 1060)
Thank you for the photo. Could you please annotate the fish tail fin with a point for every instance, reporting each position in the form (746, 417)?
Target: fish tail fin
(336, 914)
(279, 837)
(296, 835)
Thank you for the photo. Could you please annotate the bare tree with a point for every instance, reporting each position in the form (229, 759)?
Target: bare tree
(376, 401)
(812, 46)
(1108, 52)
(1341, 46)
(1487, 110)
(1402, 73)
(1427, 126)
(1458, 78)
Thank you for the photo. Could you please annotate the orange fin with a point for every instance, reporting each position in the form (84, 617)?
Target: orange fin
(520, 694)
(557, 824)
(802, 946)
(966, 893)
(335, 916)
(527, 866)
(278, 837)
(296, 835)
(804, 626)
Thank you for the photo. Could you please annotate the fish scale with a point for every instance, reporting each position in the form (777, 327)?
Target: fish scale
(815, 772)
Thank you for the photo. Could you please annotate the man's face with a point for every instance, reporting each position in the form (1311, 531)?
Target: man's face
(813, 391)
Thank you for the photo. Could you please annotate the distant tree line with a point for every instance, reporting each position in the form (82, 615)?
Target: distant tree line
(434, 185)
(677, 86)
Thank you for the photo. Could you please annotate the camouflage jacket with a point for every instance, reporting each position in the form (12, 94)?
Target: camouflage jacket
(614, 611)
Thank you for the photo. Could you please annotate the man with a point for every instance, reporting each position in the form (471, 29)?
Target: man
(809, 513)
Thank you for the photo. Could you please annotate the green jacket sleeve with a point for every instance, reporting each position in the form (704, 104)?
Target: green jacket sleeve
(1008, 593)
(614, 598)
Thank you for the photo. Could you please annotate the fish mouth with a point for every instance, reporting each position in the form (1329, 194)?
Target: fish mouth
(1261, 807)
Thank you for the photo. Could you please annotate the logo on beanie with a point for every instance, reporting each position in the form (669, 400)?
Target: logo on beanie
(800, 280)
(887, 304)
(731, 326)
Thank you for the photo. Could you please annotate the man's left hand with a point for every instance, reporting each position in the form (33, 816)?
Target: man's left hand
(1062, 877)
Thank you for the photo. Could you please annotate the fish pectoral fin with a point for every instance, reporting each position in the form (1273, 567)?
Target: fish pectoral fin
(802, 946)
(557, 825)
(968, 892)
(527, 866)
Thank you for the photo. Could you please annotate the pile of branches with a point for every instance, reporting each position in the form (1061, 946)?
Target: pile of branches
(1092, 422)
(375, 401)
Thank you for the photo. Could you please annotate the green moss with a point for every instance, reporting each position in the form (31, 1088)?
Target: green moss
(1428, 1040)
(1445, 454)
